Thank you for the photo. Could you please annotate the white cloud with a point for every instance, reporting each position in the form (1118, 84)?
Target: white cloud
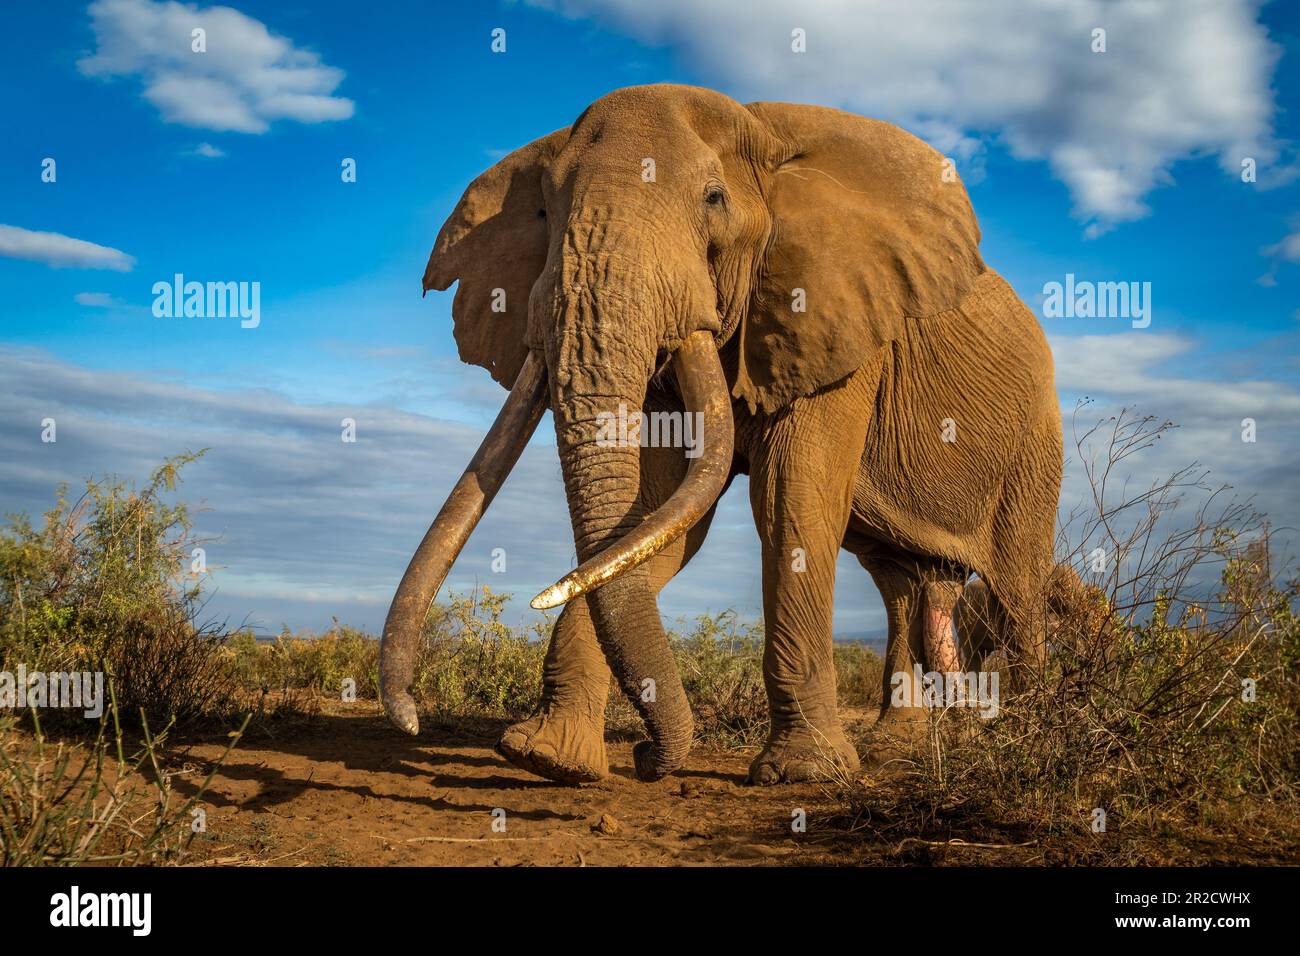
(1287, 248)
(1179, 78)
(1144, 372)
(111, 303)
(55, 249)
(207, 151)
(302, 517)
(247, 78)
(1129, 366)
(95, 300)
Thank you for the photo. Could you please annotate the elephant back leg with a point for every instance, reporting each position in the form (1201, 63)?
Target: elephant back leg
(1020, 572)
(921, 598)
(900, 591)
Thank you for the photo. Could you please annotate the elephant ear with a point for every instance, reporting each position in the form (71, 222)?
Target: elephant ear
(871, 230)
(495, 243)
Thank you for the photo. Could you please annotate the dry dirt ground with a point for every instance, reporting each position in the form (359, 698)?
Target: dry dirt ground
(345, 788)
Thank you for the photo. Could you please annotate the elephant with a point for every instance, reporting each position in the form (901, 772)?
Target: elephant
(807, 285)
(1065, 600)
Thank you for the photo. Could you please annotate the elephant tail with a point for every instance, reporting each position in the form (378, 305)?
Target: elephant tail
(1064, 592)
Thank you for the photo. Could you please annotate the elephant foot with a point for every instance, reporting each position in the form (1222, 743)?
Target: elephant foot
(896, 736)
(563, 747)
(904, 721)
(799, 753)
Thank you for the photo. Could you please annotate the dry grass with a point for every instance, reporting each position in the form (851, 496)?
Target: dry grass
(1167, 702)
(471, 665)
(71, 804)
(1138, 709)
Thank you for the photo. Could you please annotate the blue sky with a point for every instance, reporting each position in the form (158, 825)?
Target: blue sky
(1120, 165)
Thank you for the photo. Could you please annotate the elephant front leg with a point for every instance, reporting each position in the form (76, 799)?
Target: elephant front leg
(565, 739)
(801, 492)
(806, 738)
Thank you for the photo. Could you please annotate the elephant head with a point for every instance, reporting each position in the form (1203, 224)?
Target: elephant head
(668, 234)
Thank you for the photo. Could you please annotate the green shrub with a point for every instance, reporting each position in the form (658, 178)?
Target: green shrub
(471, 663)
(308, 662)
(721, 663)
(105, 585)
(859, 675)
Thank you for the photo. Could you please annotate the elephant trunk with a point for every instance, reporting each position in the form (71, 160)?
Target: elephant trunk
(614, 538)
(602, 481)
(596, 381)
(704, 393)
(442, 544)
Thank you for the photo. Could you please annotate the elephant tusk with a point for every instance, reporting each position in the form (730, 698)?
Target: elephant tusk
(442, 544)
(704, 391)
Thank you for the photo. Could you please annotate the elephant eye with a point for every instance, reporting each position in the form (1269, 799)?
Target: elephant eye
(541, 214)
(713, 196)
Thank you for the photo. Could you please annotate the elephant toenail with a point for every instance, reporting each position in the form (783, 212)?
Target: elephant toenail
(545, 751)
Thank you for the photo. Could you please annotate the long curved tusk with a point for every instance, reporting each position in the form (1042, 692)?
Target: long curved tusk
(442, 544)
(704, 390)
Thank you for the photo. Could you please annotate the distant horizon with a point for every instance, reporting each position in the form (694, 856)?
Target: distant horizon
(872, 638)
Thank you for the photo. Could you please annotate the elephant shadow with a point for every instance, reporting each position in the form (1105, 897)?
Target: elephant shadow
(368, 750)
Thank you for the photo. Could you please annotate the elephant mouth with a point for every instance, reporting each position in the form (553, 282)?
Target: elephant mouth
(704, 391)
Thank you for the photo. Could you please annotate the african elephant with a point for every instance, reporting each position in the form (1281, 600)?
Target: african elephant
(807, 285)
(1065, 599)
